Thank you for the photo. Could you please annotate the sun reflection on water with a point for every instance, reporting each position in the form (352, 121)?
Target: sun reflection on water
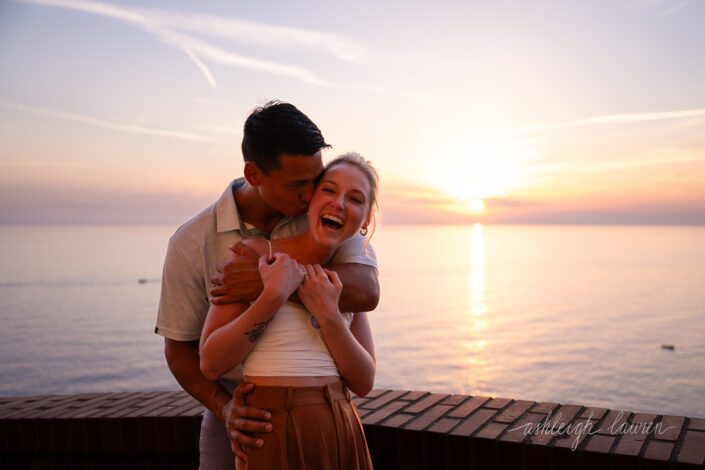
(477, 310)
(478, 307)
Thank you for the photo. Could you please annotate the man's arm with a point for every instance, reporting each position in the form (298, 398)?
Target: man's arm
(181, 299)
(239, 281)
(360, 287)
(183, 360)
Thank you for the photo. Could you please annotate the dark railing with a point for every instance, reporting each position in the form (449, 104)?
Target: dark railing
(405, 430)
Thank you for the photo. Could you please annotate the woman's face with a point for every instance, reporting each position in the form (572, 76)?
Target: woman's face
(339, 207)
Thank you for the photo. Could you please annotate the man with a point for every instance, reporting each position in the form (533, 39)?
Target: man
(282, 151)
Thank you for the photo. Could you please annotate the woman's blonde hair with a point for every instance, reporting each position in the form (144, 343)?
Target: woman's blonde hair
(357, 160)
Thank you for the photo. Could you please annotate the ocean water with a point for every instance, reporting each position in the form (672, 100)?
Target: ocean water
(573, 314)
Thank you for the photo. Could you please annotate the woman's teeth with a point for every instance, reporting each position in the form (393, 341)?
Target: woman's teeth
(333, 221)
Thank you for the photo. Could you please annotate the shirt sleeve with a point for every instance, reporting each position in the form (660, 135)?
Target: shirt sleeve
(184, 301)
(355, 250)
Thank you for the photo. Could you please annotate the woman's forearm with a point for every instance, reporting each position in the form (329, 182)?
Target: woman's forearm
(355, 362)
(225, 345)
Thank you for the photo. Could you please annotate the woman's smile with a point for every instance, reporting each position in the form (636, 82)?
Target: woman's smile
(339, 206)
(332, 221)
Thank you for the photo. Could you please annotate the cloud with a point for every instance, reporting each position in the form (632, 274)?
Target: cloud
(612, 118)
(426, 198)
(678, 6)
(260, 33)
(55, 204)
(204, 70)
(165, 26)
(658, 156)
(507, 202)
(194, 47)
(414, 194)
(120, 127)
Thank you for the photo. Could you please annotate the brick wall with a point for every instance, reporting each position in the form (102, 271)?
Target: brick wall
(405, 430)
(100, 431)
(420, 430)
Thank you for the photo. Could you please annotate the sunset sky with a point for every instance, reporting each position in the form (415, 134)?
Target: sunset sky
(475, 111)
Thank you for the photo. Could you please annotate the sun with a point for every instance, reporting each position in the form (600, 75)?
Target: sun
(479, 169)
(477, 206)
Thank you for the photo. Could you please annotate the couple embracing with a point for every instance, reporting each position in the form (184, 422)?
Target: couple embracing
(273, 354)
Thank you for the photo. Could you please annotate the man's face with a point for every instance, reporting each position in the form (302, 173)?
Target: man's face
(289, 189)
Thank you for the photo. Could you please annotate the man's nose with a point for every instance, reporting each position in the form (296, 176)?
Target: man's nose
(306, 193)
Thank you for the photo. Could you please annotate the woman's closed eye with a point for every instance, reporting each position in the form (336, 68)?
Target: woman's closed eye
(357, 197)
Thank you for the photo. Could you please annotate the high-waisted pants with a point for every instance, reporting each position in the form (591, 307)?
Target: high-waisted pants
(313, 428)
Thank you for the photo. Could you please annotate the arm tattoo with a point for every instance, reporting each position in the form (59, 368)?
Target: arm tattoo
(258, 330)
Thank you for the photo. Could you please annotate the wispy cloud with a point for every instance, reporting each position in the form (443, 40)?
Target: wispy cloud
(613, 118)
(29, 164)
(120, 127)
(678, 6)
(672, 6)
(195, 47)
(666, 157)
(261, 33)
(169, 27)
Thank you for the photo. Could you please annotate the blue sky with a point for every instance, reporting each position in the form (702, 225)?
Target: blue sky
(562, 112)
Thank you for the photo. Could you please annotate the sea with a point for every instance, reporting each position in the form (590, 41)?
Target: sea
(608, 316)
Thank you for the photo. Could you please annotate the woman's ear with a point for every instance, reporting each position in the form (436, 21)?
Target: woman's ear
(252, 173)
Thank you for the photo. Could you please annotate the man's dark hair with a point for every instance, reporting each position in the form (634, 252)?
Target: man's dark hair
(277, 128)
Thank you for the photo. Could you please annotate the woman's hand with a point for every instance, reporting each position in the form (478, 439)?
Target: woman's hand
(320, 292)
(281, 275)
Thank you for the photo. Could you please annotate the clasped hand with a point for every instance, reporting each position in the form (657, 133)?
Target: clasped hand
(318, 288)
(320, 292)
(281, 274)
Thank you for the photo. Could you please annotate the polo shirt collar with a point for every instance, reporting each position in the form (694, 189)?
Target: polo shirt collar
(226, 214)
(228, 217)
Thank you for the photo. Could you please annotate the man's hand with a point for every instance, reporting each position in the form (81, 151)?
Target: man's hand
(237, 281)
(241, 419)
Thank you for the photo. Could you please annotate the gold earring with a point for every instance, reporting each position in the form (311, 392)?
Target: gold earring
(363, 231)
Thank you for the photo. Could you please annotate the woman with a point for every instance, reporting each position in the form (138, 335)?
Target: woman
(302, 361)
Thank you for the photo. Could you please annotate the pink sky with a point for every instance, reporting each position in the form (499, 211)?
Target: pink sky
(131, 112)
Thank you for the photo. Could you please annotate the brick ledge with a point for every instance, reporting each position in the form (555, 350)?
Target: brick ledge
(405, 429)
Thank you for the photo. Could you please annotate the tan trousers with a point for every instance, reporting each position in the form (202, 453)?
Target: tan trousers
(313, 428)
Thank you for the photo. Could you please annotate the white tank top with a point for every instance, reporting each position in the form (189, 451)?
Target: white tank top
(291, 346)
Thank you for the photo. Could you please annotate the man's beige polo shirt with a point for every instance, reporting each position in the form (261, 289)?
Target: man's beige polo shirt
(200, 244)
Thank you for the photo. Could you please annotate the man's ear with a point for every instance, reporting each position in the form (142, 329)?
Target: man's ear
(253, 174)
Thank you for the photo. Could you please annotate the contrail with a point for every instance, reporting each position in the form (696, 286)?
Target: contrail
(162, 25)
(637, 117)
(131, 128)
(263, 34)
